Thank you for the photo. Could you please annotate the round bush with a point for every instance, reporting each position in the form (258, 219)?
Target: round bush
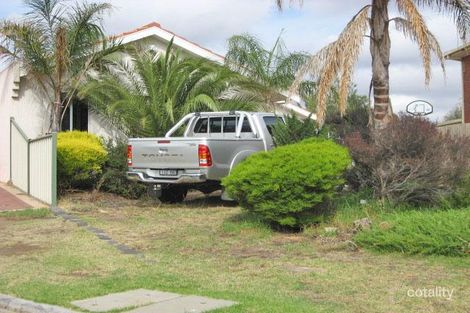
(80, 157)
(287, 185)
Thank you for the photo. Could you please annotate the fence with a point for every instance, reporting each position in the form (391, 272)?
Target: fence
(455, 128)
(33, 164)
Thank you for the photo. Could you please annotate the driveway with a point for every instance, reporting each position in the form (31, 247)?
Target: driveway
(9, 201)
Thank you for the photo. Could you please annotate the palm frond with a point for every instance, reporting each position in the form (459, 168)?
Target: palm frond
(269, 72)
(47, 15)
(22, 42)
(406, 27)
(146, 96)
(336, 60)
(416, 28)
(280, 3)
(458, 9)
(247, 56)
(84, 28)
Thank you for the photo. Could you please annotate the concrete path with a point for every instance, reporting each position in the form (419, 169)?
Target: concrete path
(11, 304)
(135, 301)
(151, 301)
(122, 300)
(187, 304)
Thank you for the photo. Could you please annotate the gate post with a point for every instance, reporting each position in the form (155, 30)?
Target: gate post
(54, 171)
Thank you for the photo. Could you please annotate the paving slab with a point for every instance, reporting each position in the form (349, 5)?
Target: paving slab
(122, 300)
(13, 304)
(185, 304)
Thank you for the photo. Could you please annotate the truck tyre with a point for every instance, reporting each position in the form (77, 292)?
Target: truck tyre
(173, 194)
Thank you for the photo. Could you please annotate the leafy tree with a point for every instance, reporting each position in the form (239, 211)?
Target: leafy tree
(454, 114)
(57, 44)
(266, 72)
(146, 96)
(336, 61)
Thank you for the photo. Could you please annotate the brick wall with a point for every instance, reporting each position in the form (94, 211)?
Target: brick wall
(466, 88)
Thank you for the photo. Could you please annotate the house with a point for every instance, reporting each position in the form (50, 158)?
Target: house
(462, 54)
(19, 97)
(461, 126)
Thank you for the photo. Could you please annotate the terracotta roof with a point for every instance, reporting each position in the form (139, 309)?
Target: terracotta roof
(158, 25)
(147, 26)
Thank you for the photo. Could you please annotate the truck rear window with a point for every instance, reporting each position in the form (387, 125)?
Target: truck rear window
(230, 124)
(270, 121)
(201, 126)
(215, 124)
(246, 128)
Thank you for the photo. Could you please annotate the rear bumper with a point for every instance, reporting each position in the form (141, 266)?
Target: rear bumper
(183, 179)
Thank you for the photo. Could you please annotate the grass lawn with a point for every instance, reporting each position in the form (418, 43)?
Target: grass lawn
(207, 248)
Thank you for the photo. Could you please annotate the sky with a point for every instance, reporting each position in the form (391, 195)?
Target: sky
(308, 28)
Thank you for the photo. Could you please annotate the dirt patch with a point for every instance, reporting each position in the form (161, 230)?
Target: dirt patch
(303, 269)
(89, 201)
(3, 222)
(19, 248)
(287, 239)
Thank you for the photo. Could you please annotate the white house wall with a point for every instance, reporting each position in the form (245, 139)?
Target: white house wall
(100, 127)
(29, 110)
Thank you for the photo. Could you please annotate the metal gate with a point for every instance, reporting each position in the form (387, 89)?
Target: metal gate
(33, 164)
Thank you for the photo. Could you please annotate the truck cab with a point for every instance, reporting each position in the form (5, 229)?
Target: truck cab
(211, 145)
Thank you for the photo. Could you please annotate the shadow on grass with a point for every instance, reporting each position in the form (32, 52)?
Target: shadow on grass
(244, 221)
(197, 199)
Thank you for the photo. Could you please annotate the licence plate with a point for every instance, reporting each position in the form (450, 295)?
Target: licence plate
(168, 172)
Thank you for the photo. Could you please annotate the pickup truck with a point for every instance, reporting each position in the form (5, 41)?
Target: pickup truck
(211, 145)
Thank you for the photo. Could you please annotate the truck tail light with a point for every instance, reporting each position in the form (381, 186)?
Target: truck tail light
(129, 155)
(205, 158)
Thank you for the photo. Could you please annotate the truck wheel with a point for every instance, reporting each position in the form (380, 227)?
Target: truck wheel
(173, 194)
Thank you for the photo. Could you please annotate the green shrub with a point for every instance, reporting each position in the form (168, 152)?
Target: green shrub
(420, 232)
(114, 179)
(288, 185)
(293, 130)
(80, 157)
(459, 197)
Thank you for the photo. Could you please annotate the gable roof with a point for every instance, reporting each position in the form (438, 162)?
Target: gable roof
(155, 29)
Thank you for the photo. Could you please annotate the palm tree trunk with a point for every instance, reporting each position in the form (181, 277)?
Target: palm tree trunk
(380, 52)
(56, 113)
(60, 69)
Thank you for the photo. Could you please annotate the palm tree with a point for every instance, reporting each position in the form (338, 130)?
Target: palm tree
(57, 44)
(147, 95)
(336, 61)
(266, 72)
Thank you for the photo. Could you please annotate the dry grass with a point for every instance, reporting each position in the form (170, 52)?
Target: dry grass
(208, 248)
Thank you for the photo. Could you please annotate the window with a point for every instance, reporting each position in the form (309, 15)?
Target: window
(75, 116)
(201, 126)
(270, 121)
(215, 125)
(246, 128)
(230, 124)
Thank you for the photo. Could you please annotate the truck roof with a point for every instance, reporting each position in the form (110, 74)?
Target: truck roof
(232, 113)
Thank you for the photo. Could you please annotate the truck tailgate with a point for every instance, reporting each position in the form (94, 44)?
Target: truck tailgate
(165, 153)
